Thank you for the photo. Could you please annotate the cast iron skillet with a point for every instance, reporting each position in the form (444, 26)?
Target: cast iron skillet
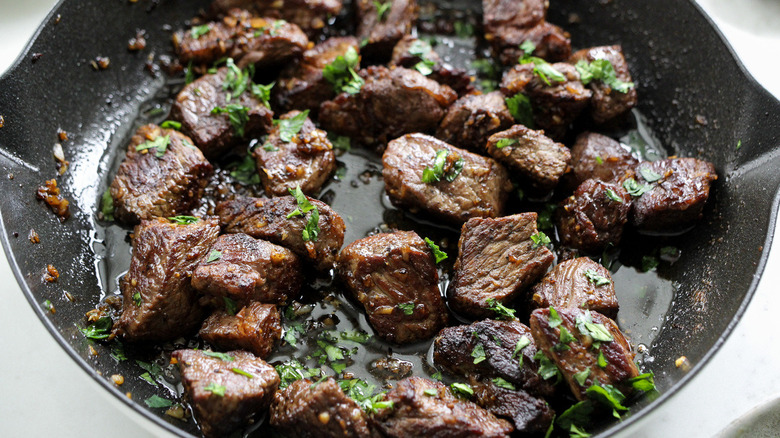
(685, 73)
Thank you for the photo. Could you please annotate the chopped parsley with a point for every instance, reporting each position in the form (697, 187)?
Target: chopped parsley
(608, 396)
(586, 326)
(438, 254)
(565, 336)
(576, 432)
(437, 376)
(214, 256)
(582, 376)
(137, 299)
(542, 68)
(554, 320)
(644, 382)
(238, 115)
(159, 144)
(99, 330)
(236, 80)
(242, 372)
(649, 263)
(221, 356)
(539, 239)
(382, 9)
(422, 50)
(614, 196)
(739, 144)
(544, 219)
(215, 389)
(488, 73)
(230, 305)
(504, 142)
(478, 353)
(340, 142)
(502, 312)
(430, 392)
(312, 228)
(596, 278)
(291, 333)
(407, 308)
(601, 361)
(107, 205)
(363, 394)
(341, 73)
(268, 147)
(189, 76)
(648, 174)
(245, 171)
(502, 383)
(292, 370)
(601, 70)
(358, 336)
(199, 31)
(436, 173)
(263, 93)
(183, 220)
(462, 389)
(289, 128)
(521, 109)
(636, 189)
(547, 368)
(521, 344)
(156, 401)
(272, 31)
(171, 124)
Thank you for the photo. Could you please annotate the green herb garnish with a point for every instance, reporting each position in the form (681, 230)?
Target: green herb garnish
(478, 353)
(236, 80)
(586, 326)
(436, 173)
(107, 205)
(649, 175)
(183, 220)
(422, 50)
(430, 392)
(159, 144)
(502, 383)
(238, 115)
(502, 312)
(582, 376)
(504, 142)
(601, 361)
(539, 239)
(544, 70)
(521, 344)
(263, 93)
(214, 256)
(554, 320)
(438, 254)
(292, 370)
(341, 73)
(156, 401)
(230, 305)
(221, 356)
(245, 171)
(521, 109)
(597, 279)
(171, 124)
(199, 31)
(289, 128)
(565, 336)
(215, 389)
(636, 189)
(614, 196)
(463, 30)
(312, 228)
(358, 336)
(462, 389)
(649, 263)
(407, 308)
(382, 9)
(137, 299)
(547, 368)
(601, 70)
(242, 372)
(99, 330)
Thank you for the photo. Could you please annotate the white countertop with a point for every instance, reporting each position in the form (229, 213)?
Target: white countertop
(44, 393)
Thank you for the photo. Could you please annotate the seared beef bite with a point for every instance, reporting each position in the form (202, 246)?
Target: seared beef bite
(587, 347)
(418, 54)
(498, 259)
(245, 269)
(391, 103)
(536, 158)
(163, 175)
(510, 23)
(599, 157)
(310, 15)
(473, 118)
(678, 190)
(225, 392)
(424, 408)
(555, 100)
(158, 301)
(492, 349)
(579, 283)
(594, 216)
(302, 86)
(262, 41)
(268, 219)
(394, 277)
(218, 118)
(318, 410)
(295, 154)
(529, 414)
(423, 173)
(614, 94)
(256, 328)
(380, 25)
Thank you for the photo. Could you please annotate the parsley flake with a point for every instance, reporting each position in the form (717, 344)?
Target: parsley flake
(430, 392)
(156, 401)
(502, 383)
(636, 189)
(478, 353)
(242, 372)
(215, 389)
(649, 175)
(601, 361)
(596, 278)
(290, 127)
(547, 368)
(601, 70)
(462, 389)
(436, 173)
(614, 196)
(221, 356)
(438, 254)
(245, 171)
(539, 239)
(565, 336)
(171, 124)
(99, 330)
(137, 299)
(407, 308)
(263, 93)
(312, 228)
(159, 144)
(502, 312)
(107, 205)
(214, 256)
(504, 142)
(341, 73)
(238, 115)
(554, 320)
(198, 31)
(230, 305)
(183, 220)
(521, 109)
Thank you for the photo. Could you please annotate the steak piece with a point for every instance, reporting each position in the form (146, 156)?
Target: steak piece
(593, 216)
(608, 103)
(310, 15)
(492, 345)
(417, 414)
(509, 23)
(394, 277)
(479, 188)
(256, 328)
(152, 184)
(535, 157)
(262, 41)
(556, 105)
(301, 85)
(382, 30)
(214, 134)
(578, 283)
(497, 259)
(410, 52)
(529, 414)
(473, 118)
(599, 157)
(245, 269)
(391, 103)
(583, 352)
(158, 302)
(222, 399)
(680, 188)
(267, 219)
(319, 410)
(307, 160)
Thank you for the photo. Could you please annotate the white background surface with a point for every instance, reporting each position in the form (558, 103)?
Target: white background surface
(44, 393)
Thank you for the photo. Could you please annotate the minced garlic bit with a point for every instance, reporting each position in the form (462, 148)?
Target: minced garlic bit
(683, 363)
(118, 379)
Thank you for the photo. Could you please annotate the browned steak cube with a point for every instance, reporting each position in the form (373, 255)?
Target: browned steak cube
(492, 349)
(410, 52)
(310, 15)
(245, 269)
(594, 216)
(267, 219)
(391, 103)
(380, 27)
(600, 157)
(497, 260)
(262, 41)
(158, 302)
(473, 118)
(535, 157)
(163, 175)
(577, 283)
(680, 188)
(394, 277)
(225, 395)
(318, 410)
(415, 413)
(214, 133)
(608, 103)
(594, 351)
(497, 14)
(555, 105)
(304, 160)
(529, 414)
(478, 188)
(256, 328)
(301, 86)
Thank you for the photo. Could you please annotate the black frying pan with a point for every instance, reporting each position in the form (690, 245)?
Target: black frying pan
(683, 68)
